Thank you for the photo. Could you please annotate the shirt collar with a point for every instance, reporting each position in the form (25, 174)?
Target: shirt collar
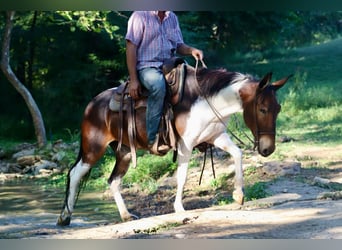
(155, 12)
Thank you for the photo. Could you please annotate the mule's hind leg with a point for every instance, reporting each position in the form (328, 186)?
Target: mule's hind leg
(123, 158)
(91, 150)
(74, 177)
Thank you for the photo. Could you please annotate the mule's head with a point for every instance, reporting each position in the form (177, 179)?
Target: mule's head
(261, 109)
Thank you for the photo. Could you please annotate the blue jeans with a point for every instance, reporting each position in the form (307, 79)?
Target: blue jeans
(154, 81)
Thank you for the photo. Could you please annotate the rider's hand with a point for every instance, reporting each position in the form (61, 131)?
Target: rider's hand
(134, 89)
(197, 54)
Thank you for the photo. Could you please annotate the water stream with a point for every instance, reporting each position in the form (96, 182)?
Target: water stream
(28, 209)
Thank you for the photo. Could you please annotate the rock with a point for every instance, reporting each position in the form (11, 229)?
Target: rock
(22, 153)
(14, 168)
(24, 146)
(3, 177)
(285, 139)
(44, 164)
(28, 160)
(45, 172)
(326, 183)
(281, 168)
(3, 168)
(336, 195)
(58, 156)
(321, 180)
(28, 170)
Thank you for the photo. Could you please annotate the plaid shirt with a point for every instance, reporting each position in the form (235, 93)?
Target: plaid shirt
(156, 41)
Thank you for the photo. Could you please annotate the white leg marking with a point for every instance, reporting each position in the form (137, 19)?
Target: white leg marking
(115, 188)
(183, 161)
(76, 175)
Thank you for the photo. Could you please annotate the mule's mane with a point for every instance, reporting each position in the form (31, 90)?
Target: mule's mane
(211, 81)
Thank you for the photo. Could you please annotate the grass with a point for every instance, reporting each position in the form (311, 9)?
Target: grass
(311, 100)
(256, 191)
(149, 169)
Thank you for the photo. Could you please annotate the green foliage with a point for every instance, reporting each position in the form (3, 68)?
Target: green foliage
(255, 191)
(149, 169)
(64, 59)
(95, 21)
(224, 200)
(73, 136)
(155, 230)
(296, 92)
(221, 182)
(54, 181)
(302, 97)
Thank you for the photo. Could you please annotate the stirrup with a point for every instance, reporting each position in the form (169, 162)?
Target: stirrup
(157, 149)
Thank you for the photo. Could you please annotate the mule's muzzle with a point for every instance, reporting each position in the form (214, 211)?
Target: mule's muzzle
(266, 146)
(265, 152)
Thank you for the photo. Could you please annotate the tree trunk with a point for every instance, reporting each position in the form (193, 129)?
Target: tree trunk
(32, 50)
(6, 68)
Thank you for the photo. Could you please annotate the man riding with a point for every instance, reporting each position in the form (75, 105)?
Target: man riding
(153, 37)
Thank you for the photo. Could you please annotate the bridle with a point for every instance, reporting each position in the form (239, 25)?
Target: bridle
(259, 132)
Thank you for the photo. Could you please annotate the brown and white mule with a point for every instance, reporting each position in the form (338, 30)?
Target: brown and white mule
(209, 98)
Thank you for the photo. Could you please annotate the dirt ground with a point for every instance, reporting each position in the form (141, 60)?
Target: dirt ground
(297, 208)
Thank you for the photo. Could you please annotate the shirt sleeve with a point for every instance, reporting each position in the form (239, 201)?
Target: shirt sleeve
(178, 33)
(135, 28)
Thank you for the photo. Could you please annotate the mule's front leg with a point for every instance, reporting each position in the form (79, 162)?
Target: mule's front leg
(123, 159)
(183, 162)
(181, 178)
(115, 188)
(74, 177)
(225, 143)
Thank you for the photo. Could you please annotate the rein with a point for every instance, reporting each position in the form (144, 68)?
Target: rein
(219, 117)
(216, 112)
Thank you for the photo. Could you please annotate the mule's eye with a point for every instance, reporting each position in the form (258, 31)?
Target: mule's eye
(263, 110)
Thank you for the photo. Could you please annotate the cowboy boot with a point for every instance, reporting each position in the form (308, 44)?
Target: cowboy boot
(157, 149)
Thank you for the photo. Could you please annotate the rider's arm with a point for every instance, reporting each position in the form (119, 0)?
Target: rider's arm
(131, 60)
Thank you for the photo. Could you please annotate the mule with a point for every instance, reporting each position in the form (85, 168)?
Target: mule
(210, 96)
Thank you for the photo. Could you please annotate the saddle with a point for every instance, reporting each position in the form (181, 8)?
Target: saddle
(174, 71)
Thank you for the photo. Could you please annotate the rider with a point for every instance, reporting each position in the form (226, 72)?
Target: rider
(151, 38)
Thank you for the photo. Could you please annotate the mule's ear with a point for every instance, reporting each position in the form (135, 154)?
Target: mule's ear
(265, 81)
(278, 84)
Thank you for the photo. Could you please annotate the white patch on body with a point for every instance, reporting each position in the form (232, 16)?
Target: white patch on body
(203, 124)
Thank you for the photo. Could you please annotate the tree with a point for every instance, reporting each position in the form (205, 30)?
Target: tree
(12, 78)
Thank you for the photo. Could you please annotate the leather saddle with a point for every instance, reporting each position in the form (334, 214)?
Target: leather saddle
(174, 71)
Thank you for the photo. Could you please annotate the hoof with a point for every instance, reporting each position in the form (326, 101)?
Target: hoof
(63, 222)
(129, 217)
(238, 197)
(179, 208)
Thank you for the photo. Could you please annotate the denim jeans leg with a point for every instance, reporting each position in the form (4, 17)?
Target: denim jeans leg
(154, 81)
